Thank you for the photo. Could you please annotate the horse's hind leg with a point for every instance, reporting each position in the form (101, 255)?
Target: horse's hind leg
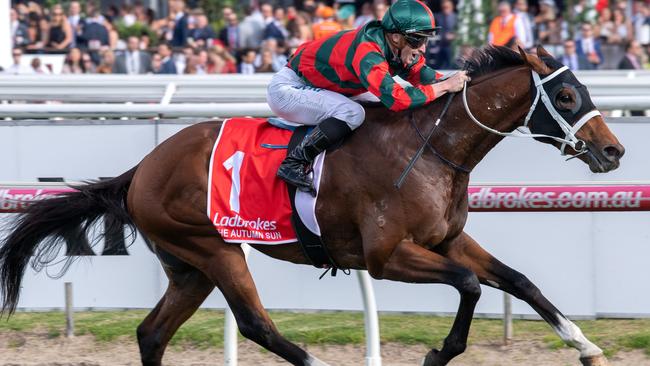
(232, 276)
(491, 272)
(187, 290)
(225, 265)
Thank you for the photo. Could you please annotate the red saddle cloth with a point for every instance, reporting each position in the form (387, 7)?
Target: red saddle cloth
(247, 203)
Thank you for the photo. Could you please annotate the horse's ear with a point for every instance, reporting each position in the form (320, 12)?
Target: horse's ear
(534, 62)
(523, 54)
(541, 52)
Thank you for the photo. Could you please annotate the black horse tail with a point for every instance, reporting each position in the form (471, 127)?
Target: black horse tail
(44, 226)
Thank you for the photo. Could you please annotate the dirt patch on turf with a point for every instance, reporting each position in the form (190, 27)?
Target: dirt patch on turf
(30, 349)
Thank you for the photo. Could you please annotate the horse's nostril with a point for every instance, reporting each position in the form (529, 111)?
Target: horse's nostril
(613, 152)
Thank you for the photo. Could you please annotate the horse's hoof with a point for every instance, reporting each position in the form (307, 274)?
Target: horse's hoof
(599, 360)
(432, 359)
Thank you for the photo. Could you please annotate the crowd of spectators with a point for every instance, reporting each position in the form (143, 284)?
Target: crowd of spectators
(617, 37)
(261, 38)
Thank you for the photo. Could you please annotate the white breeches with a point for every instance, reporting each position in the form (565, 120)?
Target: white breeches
(292, 99)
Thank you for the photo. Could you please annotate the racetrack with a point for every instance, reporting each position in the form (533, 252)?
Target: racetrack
(33, 349)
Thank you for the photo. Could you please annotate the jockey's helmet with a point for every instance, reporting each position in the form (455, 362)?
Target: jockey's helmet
(411, 18)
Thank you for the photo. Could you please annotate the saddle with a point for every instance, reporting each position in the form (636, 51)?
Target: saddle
(310, 241)
(248, 203)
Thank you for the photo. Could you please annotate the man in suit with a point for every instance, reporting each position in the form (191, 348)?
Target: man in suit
(76, 21)
(203, 34)
(571, 58)
(181, 29)
(132, 61)
(247, 66)
(167, 63)
(588, 46)
(251, 29)
(632, 58)
(229, 35)
(528, 35)
(442, 50)
(274, 27)
(19, 34)
(94, 33)
(632, 61)
(18, 68)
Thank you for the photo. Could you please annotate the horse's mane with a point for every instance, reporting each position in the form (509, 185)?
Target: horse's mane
(489, 59)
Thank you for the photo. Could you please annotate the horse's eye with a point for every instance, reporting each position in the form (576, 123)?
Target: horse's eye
(563, 100)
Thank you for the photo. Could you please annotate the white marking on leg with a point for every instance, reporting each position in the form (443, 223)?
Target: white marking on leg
(313, 361)
(572, 336)
(493, 283)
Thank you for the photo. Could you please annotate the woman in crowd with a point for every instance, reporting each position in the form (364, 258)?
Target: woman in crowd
(547, 14)
(604, 29)
(106, 65)
(156, 63)
(216, 63)
(73, 63)
(202, 60)
(36, 27)
(114, 40)
(88, 65)
(60, 32)
(164, 28)
(267, 62)
(191, 64)
(550, 33)
(221, 61)
(299, 30)
(622, 28)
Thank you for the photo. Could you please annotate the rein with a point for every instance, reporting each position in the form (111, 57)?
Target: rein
(434, 151)
(570, 139)
(418, 154)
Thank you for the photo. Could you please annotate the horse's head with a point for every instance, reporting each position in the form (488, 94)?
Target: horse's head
(563, 109)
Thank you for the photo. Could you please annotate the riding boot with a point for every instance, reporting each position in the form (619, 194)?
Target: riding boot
(296, 167)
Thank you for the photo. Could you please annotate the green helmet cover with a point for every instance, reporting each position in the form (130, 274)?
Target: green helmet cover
(408, 16)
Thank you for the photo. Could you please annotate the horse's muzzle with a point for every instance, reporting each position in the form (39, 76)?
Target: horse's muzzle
(605, 159)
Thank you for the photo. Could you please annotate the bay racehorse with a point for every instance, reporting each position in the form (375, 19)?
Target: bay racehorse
(411, 234)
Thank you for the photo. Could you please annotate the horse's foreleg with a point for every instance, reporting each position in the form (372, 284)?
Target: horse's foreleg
(185, 293)
(466, 252)
(408, 262)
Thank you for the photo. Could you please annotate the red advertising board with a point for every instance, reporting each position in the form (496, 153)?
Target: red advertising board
(483, 198)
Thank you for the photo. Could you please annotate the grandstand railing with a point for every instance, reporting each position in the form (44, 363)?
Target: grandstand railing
(210, 110)
(141, 111)
(228, 88)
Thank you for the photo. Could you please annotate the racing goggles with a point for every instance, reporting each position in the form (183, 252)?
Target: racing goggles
(415, 41)
(418, 39)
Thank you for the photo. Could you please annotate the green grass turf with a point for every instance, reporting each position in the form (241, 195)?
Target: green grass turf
(205, 328)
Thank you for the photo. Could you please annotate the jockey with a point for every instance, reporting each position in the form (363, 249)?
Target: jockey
(315, 87)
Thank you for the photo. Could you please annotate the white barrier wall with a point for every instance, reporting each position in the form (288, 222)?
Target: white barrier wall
(588, 264)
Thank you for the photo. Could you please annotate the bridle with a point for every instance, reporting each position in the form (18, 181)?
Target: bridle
(570, 139)
(569, 130)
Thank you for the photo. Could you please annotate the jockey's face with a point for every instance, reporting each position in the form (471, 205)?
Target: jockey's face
(411, 54)
(407, 53)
